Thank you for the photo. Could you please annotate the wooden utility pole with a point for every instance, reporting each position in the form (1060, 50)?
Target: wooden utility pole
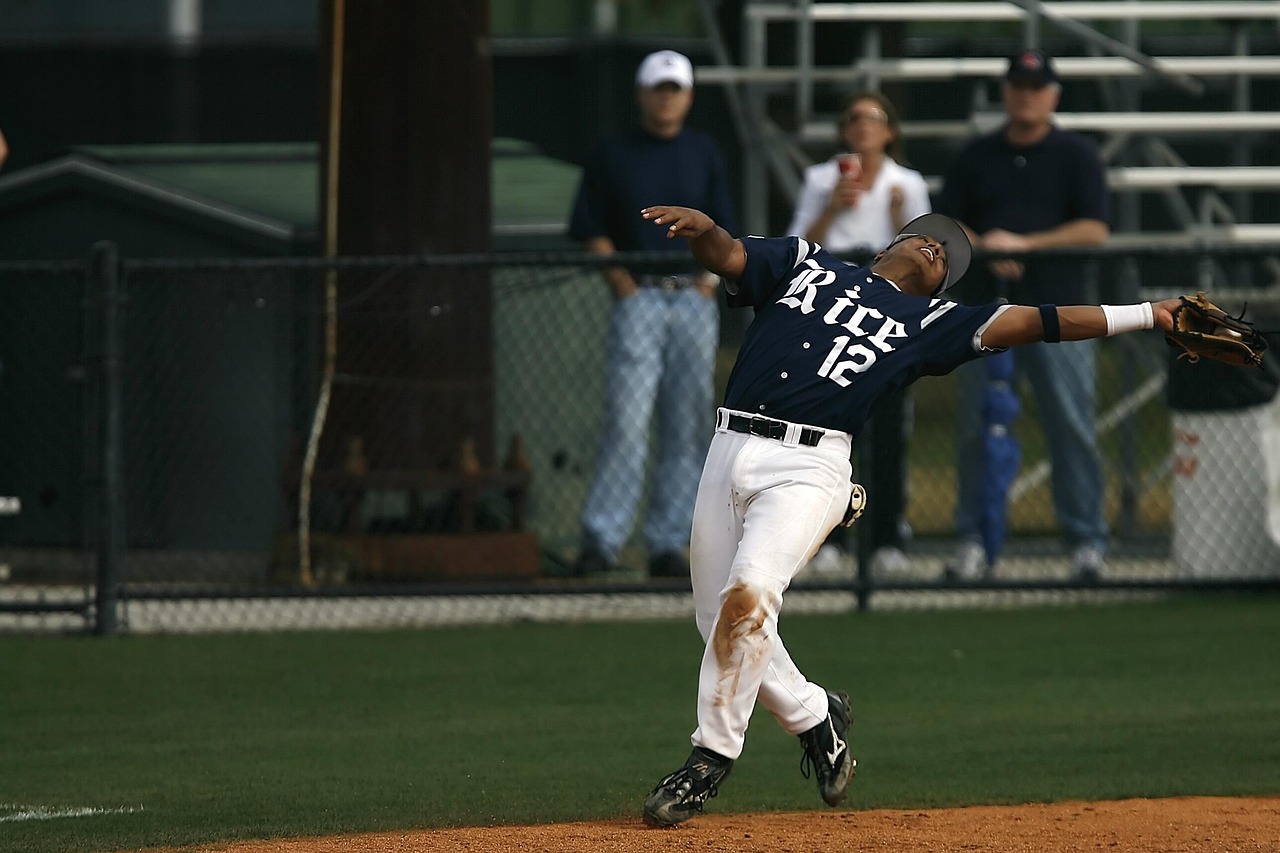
(407, 159)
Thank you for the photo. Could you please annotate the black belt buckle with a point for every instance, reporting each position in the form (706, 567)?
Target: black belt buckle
(767, 427)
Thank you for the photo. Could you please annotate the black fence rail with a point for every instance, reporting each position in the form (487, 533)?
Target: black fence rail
(262, 442)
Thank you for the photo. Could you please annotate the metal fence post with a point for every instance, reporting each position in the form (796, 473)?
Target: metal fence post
(865, 547)
(104, 272)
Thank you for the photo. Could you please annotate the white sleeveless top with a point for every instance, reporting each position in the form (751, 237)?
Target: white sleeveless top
(869, 224)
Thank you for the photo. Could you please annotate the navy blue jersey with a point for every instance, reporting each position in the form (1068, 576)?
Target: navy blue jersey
(830, 339)
(632, 170)
(1026, 189)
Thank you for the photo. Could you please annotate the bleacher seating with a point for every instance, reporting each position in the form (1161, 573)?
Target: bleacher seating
(1141, 143)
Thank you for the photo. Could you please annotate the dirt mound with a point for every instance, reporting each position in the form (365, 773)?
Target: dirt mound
(1173, 825)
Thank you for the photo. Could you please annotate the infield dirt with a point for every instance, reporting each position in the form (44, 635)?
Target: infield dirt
(1173, 825)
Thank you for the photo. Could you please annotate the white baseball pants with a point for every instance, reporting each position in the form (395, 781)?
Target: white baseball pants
(764, 508)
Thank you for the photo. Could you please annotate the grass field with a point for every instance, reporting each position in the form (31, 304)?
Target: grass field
(216, 737)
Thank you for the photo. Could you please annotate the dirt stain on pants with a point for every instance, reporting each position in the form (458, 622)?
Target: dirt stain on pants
(738, 632)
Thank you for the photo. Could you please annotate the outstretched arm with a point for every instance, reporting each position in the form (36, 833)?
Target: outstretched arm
(713, 246)
(1021, 324)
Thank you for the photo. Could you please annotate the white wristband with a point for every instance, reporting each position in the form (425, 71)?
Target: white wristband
(1128, 318)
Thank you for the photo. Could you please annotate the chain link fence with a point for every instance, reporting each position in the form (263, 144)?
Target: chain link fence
(202, 445)
(47, 440)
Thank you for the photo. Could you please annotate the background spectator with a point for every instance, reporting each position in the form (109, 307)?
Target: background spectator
(1031, 185)
(858, 199)
(664, 323)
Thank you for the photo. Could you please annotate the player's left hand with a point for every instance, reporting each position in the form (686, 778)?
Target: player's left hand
(680, 221)
(1203, 330)
(1163, 313)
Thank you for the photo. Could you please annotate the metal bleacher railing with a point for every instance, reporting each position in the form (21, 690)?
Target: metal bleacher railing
(150, 407)
(1132, 139)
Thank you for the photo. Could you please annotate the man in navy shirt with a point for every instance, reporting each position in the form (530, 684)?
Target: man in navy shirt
(1031, 185)
(663, 325)
(827, 343)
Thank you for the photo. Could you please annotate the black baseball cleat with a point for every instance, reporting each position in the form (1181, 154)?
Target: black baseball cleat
(826, 750)
(681, 795)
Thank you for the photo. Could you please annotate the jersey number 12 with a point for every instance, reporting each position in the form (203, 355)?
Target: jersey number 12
(862, 358)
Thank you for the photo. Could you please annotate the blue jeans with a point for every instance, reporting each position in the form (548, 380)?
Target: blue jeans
(1062, 379)
(660, 355)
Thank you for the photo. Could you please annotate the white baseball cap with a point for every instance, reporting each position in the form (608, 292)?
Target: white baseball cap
(665, 66)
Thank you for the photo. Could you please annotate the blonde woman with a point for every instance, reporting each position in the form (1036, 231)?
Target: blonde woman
(861, 197)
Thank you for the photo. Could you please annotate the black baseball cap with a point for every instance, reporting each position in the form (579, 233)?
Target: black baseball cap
(948, 232)
(1031, 68)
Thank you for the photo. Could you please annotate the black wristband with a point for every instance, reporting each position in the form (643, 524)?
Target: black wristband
(1049, 319)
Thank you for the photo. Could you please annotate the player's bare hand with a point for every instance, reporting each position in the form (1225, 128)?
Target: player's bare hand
(680, 221)
(1162, 312)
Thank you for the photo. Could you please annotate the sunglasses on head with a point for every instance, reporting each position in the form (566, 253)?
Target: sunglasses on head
(869, 114)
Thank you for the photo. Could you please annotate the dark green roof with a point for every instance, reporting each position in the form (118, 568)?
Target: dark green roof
(529, 188)
(531, 192)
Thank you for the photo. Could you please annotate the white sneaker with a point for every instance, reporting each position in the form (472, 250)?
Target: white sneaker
(889, 560)
(968, 564)
(1087, 565)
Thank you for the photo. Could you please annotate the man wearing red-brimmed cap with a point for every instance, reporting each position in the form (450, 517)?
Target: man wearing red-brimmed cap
(1031, 185)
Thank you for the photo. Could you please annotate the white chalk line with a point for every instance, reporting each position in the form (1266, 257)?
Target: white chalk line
(18, 812)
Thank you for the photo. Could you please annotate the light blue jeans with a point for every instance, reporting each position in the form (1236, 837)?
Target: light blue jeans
(659, 358)
(1062, 379)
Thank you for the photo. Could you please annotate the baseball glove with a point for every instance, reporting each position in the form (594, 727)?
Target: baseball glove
(1201, 328)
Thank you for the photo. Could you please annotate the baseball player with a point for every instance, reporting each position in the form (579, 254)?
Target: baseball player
(827, 342)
